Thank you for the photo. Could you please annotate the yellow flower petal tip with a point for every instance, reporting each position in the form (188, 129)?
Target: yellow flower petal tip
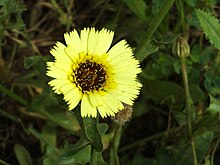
(88, 72)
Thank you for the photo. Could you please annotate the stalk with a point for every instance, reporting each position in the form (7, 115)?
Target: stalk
(154, 24)
(116, 142)
(188, 107)
(13, 95)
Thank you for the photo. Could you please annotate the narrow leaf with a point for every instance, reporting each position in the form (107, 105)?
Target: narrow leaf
(2, 162)
(22, 155)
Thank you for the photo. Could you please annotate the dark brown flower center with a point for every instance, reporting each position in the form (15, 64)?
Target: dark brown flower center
(90, 76)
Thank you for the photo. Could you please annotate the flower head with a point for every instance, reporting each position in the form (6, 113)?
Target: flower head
(86, 69)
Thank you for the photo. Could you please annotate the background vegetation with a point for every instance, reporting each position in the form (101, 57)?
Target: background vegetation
(36, 128)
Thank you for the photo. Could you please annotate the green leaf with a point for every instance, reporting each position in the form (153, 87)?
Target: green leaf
(42, 138)
(164, 155)
(102, 127)
(214, 106)
(92, 133)
(138, 7)
(208, 121)
(48, 143)
(210, 26)
(193, 3)
(49, 132)
(81, 155)
(156, 4)
(97, 159)
(47, 105)
(148, 50)
(202, 144)
(22, 155)
(30, 61)
(194, 76)
(50, 157)
(38, 62)
(182, 154)
(163, 91)
(62, 118)
(160, 67)
(180, 117)
(169, 92)
(196, 93)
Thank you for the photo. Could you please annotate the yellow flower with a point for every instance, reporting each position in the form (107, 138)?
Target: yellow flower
(87, 70)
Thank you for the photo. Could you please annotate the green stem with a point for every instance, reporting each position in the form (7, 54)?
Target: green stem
(189, 104)
(3, 162)
(14, 49)
(57, 7)
(13, 95)
(142, 141)
(116, 142)
(154, 24)
(213, 152)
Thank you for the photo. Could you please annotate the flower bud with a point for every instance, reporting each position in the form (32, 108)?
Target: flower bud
(124, 115)
(181, 48)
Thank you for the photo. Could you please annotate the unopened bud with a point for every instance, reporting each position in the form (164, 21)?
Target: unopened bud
(124, 115)
(181, 48)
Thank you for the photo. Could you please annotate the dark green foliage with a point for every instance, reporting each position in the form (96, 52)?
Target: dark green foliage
(22, 155)
(37, 127)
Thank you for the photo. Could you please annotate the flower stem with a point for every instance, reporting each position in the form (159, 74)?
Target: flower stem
(188, 107)
(13, 95)
(116, 142)
(154, 24)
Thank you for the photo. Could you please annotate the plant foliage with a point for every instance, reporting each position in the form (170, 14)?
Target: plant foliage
(168, 126)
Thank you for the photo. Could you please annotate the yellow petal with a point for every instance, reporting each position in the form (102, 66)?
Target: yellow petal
(112, 102)
(86, 107)
(92, 41)
(105, 111)
(84, 39)
(121, 49)
(73, 42)
(55, 72)
(68, 87)
(123, 96)
(57, 84)
(59, 54)
(73, 97)
(104, 41)
(95, 99)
